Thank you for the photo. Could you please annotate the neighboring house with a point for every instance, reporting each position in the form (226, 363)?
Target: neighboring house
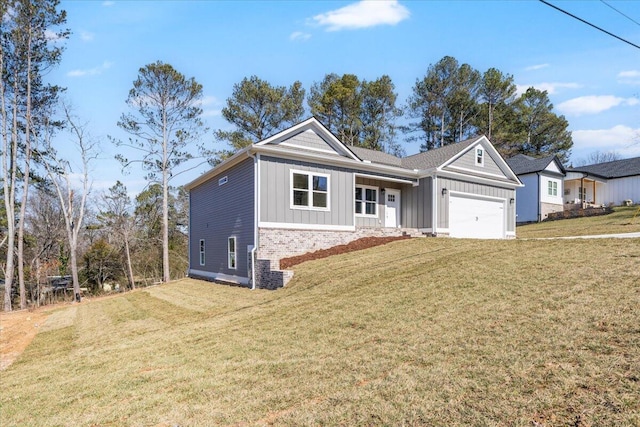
(610, 183)
(302, 190)
(543, 187)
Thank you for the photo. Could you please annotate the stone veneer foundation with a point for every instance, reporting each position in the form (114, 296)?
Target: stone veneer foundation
(278, 243)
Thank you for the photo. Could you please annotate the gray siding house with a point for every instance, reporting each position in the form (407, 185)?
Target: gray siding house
(302, 190)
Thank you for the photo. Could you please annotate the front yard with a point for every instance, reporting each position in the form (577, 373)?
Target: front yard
(416, 332)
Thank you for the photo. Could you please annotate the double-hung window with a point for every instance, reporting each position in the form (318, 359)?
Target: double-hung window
(366, 201)
(231, 252)
(202, 251)
(552, 188)
(309, 190)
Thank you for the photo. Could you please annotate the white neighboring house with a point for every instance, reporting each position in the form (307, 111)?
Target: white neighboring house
(609, 183)
(543, 189)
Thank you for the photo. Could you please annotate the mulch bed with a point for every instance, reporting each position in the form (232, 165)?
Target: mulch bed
(356, 245)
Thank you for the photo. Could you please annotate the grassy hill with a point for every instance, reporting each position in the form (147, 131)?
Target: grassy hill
(417, 332)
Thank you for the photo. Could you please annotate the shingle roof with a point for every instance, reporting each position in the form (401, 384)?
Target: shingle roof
(375, 156)
(427, 160)
(614, 169)
(522, 164)
(436, 157)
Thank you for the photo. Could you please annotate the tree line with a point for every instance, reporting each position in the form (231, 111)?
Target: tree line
(53, 225)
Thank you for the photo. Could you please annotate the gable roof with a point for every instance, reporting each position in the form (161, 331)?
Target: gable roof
(614, 169)
(436, 157)
(522, 164)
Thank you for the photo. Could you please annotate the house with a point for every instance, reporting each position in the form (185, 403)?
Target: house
(302, 190)
(609, 183)
(543, 189)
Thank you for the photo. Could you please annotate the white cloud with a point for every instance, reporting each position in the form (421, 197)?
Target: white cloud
(213, 102)
(551, 88)
(536, 67)
(86, 36)
(299, 36)
(108, 3)
(621, 139)
(630, 77)
(91, 71)
(363, 14)
(594, 104)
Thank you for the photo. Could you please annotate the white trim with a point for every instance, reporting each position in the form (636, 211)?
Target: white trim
(384, 178)
(488, 146)
(364, 201)
(235, 253)
(319, 127)
(477, 171)
(463, 177)
(510, 233)
(220, 276)
(292, 226)
(310, 175)
(434, 202)
(256, 216)
(285, 153)
(321, 150)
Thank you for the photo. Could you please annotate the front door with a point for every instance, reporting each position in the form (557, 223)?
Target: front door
(392, 208)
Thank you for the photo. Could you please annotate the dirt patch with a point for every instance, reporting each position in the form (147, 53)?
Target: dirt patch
(17, 329)
(356, 245)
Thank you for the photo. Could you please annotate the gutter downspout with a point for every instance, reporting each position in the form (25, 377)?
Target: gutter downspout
(256, 212)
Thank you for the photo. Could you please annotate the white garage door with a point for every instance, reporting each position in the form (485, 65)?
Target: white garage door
(476, 218)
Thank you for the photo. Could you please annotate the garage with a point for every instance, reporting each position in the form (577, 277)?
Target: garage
(476, 218)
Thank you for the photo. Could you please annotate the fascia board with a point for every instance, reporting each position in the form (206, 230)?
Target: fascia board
(480, 180)
(318, 127)
(231, 161)
(319, 158)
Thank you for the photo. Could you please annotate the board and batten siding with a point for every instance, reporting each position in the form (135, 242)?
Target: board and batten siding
(275, 197)
(473, 189)
(416, 205)
(468, 162)
(616, 190)
(218, 212)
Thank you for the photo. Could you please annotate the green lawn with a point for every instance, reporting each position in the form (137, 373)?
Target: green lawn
(620, 221)
(417, 332)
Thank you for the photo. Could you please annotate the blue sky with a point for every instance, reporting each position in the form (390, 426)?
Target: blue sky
(592, 78)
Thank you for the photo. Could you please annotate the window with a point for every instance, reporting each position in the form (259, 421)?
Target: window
(582, 192)
(231, 253)
(309, 190)
(201, 251)
(391, 197)
(552, 188)
(479, 156)
(367, 201)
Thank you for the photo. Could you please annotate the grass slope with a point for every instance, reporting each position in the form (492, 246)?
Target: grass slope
(622, 220)
(419, 332)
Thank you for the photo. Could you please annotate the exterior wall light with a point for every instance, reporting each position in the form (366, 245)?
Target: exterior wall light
(444, 191)
(511, 200)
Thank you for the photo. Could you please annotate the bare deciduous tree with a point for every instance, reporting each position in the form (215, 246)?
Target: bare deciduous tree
(59, 172)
